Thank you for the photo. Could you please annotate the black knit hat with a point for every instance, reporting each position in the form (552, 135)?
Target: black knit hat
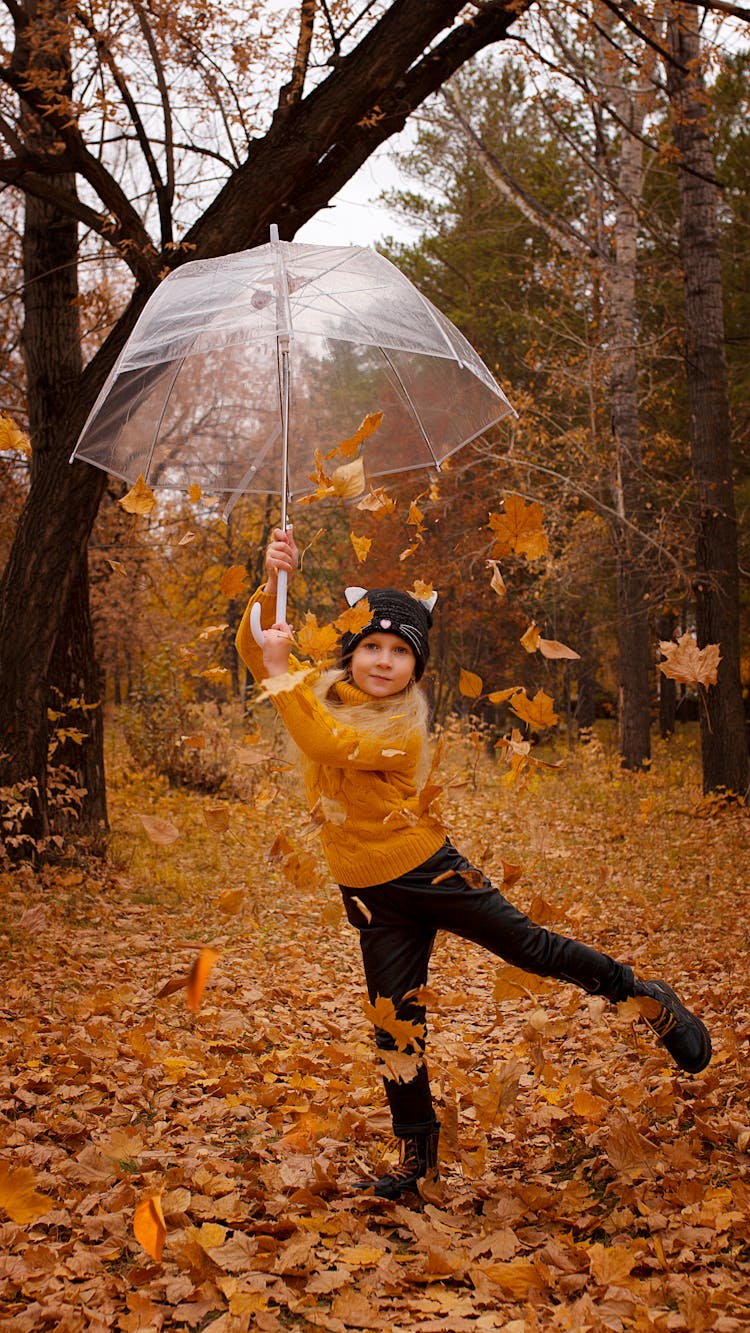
(393, 612)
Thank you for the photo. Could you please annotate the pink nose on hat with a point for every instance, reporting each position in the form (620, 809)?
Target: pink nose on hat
(385, 624)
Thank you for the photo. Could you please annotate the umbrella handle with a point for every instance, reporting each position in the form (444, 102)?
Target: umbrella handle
(282, 581)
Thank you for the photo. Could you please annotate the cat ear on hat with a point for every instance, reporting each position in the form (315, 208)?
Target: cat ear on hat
(429, 602)
(354, 595)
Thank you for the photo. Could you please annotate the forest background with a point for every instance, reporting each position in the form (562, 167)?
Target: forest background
(579, 190)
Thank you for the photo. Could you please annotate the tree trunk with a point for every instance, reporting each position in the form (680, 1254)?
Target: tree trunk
(723, 736)
(621, 324)
(586, 703)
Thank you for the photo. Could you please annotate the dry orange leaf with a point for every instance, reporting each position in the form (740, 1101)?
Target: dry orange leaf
(231, 901)
(377, 503)
(422, 590)
(497, 582)
(348, 480)
(355, 619)
(160, 831)
(194, 494)
(689, 664)
(217, 818)
(233, 580)
(469, 684)
(348, 448)
(117, 566)
(149, 1227)
(199, 974)
(538, 712)
(530, 640)
(361, 546)
(12, 437)
(554, 650)
(383, 1015)
(502, 696)
(319, 642)
(193, 742)
(186, 538)
(19, 1197)
(519, 529)
(140, 499)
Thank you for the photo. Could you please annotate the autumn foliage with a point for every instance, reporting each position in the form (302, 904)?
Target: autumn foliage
(189, 1087)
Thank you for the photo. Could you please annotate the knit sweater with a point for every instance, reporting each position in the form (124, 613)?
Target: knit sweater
(362, 789)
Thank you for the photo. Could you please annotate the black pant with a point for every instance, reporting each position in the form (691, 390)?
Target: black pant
(396, 943)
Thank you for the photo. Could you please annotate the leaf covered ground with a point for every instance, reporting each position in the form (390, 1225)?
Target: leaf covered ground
(586, 1184)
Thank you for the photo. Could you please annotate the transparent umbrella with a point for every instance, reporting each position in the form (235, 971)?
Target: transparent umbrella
(240, 367)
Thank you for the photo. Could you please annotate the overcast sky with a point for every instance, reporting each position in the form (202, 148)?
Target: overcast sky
(355, 217)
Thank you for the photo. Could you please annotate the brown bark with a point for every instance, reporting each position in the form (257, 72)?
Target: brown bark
(723, 736)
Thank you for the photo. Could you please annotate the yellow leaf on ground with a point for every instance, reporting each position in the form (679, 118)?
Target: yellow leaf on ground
(160, 831)
(199, 974)
(140, 499)
(149, 1227)
(19, 1197)
(469, 684)
(361, 546)
(233, 580)
(217, 818)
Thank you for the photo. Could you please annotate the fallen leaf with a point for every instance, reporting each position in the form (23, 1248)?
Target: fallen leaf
(149, 1226)
(19, 1197)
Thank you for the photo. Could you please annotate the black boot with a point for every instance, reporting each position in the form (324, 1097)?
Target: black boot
(679, 1031)
(418, 1157)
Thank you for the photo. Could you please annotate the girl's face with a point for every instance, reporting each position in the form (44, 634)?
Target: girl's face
(382, 665)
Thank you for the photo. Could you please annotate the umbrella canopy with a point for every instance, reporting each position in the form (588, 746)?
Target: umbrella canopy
(196, 395)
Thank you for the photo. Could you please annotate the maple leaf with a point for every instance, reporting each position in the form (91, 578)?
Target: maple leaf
(538, 712)
(161, 831)
(421, 590)
(348, 448)
(12, 437)
(320, 642)
(233, 580)
(519, 528)
(382, 1014)
(140, 499)
(469, 684)
(361, 546)
(689, 664)
(198, 976)
(288, 680)
(355, 618)
(149, 1227)
(19, 1197)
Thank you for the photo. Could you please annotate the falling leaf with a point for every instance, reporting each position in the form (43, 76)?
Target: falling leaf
(554, 650)
(139, 500)
(355, 618)
(377, 503)
(537, 712)
(415, 516)
(116, 566)
(160, 831)
(149, 1226)
(193, 742)
(530, 640)
(19, 1197)
(383, 1014)
(363, 908)
(199, 974)
(423, 591)
(502, 696)
(348, 480)
(348, 448)
(511, 874)
(217, 675)
(689, 664)
(194, 494)
(469, 684)
(519, 529)
(12, 437)
(231, 901)
(281, 684)
(361, 546)
(217, 818)
(233, 580)
(186, 538)
(212, 631)
(497, 582)
(320, 642)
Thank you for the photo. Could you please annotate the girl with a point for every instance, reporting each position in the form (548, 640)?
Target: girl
(362, 735)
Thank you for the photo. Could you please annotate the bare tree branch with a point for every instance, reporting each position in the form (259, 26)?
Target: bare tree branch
(161, 84)
(291, 92)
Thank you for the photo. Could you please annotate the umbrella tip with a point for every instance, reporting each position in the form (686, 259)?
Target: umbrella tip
(274, 232)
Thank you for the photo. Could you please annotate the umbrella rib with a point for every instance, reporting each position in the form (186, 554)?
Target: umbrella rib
(165, 404)
(414, 412)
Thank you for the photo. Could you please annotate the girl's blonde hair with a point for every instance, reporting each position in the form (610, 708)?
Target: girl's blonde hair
(383, 719)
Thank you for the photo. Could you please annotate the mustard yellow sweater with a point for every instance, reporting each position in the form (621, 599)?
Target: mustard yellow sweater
(363, 788)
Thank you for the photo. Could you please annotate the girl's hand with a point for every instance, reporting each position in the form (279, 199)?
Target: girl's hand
(281, 553)
(277, 645)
